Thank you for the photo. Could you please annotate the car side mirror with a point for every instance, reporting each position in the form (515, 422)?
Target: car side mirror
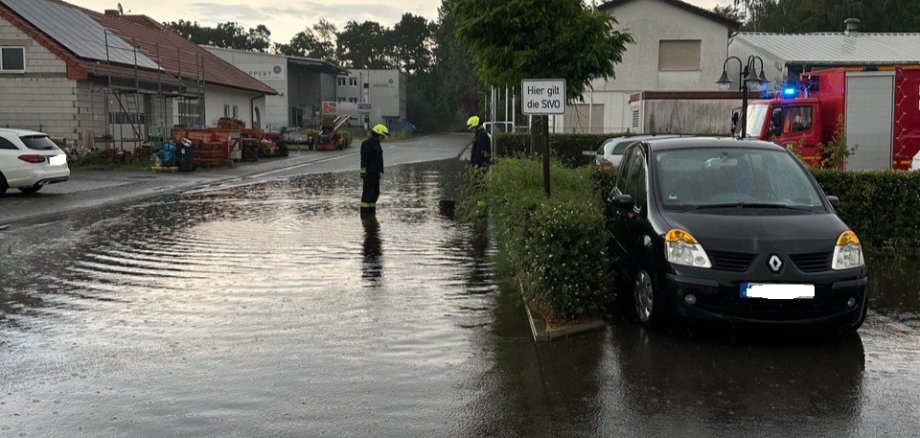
(835, 201)
(622, 202)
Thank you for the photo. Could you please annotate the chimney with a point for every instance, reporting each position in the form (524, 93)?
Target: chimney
(852, 26)
(112, 12)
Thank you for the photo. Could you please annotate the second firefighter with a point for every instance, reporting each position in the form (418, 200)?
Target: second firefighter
(372, 168)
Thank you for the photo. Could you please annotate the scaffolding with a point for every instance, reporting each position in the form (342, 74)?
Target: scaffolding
(141, 111)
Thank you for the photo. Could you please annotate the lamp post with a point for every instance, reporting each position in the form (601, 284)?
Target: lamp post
(748, 79)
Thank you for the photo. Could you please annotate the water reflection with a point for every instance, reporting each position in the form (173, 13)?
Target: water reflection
(371, 251)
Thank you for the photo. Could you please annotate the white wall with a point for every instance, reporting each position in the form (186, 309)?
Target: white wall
(386, 92)
(649, 22)
(774, 67)
(216, 97)
(42, 97)
(272, 70)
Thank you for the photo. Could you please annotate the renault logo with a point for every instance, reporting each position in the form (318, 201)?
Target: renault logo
(775, 263)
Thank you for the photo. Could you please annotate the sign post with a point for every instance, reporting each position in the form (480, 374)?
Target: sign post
(543, 97)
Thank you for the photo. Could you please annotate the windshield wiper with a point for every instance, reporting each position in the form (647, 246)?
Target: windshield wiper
(751, 205)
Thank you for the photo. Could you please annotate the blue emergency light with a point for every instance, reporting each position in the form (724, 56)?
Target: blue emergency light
(790, 92)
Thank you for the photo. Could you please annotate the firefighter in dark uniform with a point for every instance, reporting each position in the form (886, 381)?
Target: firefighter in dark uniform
(482, 143)
(372, 169)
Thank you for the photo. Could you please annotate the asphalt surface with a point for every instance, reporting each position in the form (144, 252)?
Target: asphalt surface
(267, 307)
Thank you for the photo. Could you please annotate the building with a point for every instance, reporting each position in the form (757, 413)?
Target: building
(303, 84)
(384, 90)
(111, 79)
(678, 48)
(788, 55)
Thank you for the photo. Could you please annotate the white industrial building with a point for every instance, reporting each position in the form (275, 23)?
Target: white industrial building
(678, 48)
(384, 90)
(303, 84)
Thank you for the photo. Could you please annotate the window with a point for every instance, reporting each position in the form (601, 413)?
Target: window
(797, 119)
(635, 182)
(679, 55)
(635, 120)
(341, 81)
(226, 110)
(353, 99)
(12, 60)
(236, 112)
(341, 100)
(623, 174)
(353, 82)
(6, 144)
(38, 142)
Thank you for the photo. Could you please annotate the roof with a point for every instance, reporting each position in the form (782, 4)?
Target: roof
(177, 54)
(159, 50)
(708, 142)
(705, 13)
(857, 48)
(321, 65)
(20, 132)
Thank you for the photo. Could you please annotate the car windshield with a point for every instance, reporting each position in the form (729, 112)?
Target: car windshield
(734, 178)
(38, 142)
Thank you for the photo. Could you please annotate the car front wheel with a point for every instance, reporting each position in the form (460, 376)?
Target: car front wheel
(645, 300)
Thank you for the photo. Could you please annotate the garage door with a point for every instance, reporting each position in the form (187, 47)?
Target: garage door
(869, 120)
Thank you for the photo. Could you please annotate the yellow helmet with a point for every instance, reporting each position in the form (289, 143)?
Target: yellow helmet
(381, 129)
(472, 122)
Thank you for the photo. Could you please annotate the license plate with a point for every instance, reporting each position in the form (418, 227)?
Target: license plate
(778, 291)
(57, 160)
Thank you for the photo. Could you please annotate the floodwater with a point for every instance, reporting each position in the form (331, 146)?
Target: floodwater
(272, 309)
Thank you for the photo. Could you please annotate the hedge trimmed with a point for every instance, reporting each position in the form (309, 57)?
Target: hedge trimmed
(556, 246)
(567, 148)
(883, 207)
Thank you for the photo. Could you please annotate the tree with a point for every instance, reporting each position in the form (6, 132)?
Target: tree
(791, 16)
(365, 45)
(516, 39)
(412, 42)
(228, 35)
(732, 12)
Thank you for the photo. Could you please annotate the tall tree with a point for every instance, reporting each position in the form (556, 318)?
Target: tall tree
(791, 16)
(316, 42)
(228, 35)
(365, 45)
(412, 40)
(516, 39)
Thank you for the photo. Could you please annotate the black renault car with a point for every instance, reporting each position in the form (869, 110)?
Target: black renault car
(732, 230)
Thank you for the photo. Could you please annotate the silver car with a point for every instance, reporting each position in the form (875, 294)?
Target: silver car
(610, 153)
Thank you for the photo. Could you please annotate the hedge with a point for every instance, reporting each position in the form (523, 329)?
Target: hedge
(567, 148)
(883, 207)
(557, 246)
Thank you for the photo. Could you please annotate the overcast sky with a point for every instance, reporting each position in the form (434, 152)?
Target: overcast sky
(285, 18)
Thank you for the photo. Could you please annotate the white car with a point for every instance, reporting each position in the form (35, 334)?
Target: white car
(610, 154)
(29, 160)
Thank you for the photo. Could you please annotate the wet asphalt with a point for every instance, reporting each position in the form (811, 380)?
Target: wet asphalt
(269, 308)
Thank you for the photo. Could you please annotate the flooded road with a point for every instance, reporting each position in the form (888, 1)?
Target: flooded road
(272, 309)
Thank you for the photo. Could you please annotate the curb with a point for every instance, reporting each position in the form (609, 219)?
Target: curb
(541, 333)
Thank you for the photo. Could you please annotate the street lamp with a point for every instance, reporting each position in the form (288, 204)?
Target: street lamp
(748, 79)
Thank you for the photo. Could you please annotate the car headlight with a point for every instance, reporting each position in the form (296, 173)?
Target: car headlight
(683, 249)
(848, 254)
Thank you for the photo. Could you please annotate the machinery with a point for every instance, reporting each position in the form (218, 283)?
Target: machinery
(330, 138)
(874, 109)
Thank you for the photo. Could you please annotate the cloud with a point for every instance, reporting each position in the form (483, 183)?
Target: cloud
(308, 11)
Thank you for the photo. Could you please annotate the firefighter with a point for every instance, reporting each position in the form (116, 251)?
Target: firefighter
(482, 143)
(372, 169)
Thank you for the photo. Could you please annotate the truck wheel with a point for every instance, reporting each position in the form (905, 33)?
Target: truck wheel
(3, 185)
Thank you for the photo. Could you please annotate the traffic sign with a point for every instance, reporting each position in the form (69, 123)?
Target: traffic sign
(543, 97)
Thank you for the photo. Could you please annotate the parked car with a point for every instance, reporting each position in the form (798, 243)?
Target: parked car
(610, 153)
(732, 230)
(30, 160)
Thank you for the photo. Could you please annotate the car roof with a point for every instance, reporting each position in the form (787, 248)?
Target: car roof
(20, 132)
(707, 142)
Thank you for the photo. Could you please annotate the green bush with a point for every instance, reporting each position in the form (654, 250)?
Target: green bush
(883, 207)
(567, 148)
(556, 245)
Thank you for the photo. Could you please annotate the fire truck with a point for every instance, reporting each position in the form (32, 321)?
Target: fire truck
(877, 109)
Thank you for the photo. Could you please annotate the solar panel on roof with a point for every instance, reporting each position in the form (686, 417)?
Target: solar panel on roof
(78, 32)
